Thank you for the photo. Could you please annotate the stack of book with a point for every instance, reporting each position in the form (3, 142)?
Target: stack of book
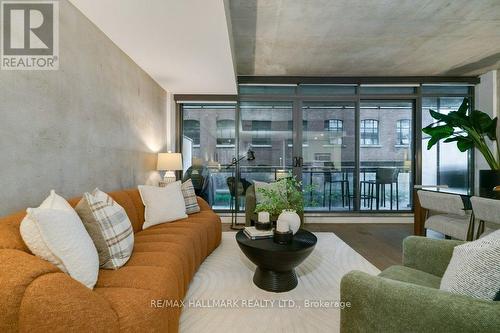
(253, 233)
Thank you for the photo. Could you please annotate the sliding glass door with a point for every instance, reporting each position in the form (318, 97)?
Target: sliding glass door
(352, 145)
(386, 154)
(328, 153)
(266, 129)
(208, 147)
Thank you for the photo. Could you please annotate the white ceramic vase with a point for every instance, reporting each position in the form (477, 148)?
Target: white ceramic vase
(288, 220)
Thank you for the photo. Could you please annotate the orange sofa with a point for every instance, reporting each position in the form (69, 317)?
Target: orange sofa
(36, 296)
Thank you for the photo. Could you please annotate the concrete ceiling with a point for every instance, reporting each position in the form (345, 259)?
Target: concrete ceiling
(365, 37)
(183, 44)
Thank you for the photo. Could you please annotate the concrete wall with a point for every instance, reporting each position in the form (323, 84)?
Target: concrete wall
(97, 121)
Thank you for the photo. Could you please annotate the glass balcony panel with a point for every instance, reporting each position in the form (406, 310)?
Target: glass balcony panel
(386, 155)
(209, 137)
(444, 164)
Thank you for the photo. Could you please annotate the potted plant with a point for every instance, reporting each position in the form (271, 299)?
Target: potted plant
(469, 130)
(285, 197)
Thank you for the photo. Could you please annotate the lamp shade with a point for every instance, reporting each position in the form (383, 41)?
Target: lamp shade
(169, 161)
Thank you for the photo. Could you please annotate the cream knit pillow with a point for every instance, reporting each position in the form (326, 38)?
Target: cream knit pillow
(55, 233)
(474, 269)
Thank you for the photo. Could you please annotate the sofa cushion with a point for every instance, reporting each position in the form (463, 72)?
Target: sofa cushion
(169, 255)
(197, 231)
(411, 275)
(135, 313)
(185, 239)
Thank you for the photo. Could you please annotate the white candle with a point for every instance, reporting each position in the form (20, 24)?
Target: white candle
(263, 217)
(282, 226)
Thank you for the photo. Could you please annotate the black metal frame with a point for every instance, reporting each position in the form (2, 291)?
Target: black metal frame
(297, 100)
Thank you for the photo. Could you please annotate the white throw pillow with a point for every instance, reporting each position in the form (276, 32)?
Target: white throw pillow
(55, 233)
(163, 204)
(32, 236)
(474, 268)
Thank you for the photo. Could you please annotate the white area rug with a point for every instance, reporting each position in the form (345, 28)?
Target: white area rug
(223, 298)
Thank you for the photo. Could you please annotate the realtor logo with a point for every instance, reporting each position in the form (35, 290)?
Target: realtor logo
(30, 35)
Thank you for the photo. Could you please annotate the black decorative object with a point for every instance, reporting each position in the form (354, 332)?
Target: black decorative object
(283, 237)
(234, 186)
(488, 179)
(276, 263)
(262, 225)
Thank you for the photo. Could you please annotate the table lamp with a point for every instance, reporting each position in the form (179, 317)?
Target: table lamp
(169, 162)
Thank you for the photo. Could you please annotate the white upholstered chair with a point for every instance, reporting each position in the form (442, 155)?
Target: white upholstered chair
(445, 213)
(487, 212)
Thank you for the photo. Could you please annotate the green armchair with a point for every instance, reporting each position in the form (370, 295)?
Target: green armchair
(250, 204)
(407, 298)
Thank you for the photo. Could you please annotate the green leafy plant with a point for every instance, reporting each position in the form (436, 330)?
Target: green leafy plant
(287, 195)
(467, 129)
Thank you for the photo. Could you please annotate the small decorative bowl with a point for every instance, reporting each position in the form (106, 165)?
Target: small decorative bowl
(262, 225)
(283, 238)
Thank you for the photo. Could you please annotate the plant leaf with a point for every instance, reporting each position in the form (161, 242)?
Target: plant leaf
(464, 145)
(438, 116)
(481, 121)
(437, 133)
(491, 131)
(463, 142)
(441, 130)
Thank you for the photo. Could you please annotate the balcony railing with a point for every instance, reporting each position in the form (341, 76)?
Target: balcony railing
(333, 187)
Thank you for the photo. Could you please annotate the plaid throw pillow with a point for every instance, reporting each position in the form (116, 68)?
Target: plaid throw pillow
(190, 197)
(109, 227)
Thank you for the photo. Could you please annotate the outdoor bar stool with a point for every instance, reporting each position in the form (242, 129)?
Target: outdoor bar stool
(344, 187)
(487, 212)
(445, 213)
(386, 176)
(366, 192)
(376, 187)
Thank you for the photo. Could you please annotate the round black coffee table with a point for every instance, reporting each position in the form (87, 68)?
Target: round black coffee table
(276, 263)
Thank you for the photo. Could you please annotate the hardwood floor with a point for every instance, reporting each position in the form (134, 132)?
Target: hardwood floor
(379, 243)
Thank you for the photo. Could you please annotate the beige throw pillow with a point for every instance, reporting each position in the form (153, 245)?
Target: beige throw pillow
(109, 227)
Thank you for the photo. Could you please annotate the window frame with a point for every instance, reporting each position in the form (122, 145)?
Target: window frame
(374, 130)
(399, 132)
(220, 130)
(334, 131)
(196, 143)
